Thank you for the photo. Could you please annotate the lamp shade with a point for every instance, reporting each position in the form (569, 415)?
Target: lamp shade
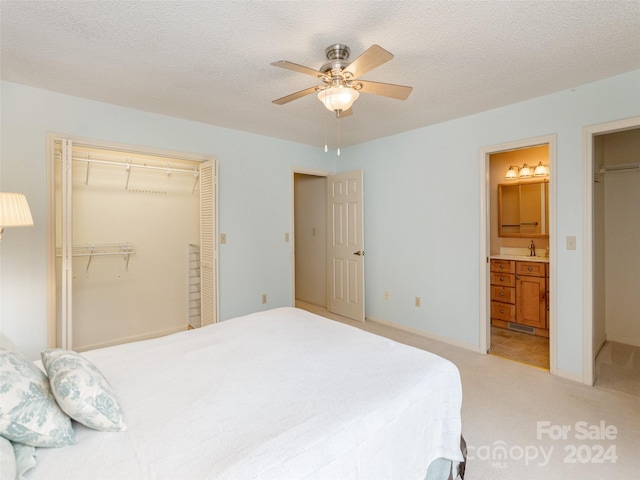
(540, 170)
(14, 210)
(338, 98)
(525, 171)
(512, 173)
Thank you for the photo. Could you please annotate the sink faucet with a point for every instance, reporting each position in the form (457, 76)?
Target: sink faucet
(532, 249)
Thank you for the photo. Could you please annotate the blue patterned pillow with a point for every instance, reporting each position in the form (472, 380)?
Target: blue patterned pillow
(28, 412)
(82, 391)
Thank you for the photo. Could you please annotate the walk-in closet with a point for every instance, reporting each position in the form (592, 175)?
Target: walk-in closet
(616, 259)
(134, 242)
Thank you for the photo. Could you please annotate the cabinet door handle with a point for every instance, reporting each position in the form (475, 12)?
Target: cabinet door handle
(501, 311)
(529, 268)
(502, 294)
(502, 279)
(517, 277)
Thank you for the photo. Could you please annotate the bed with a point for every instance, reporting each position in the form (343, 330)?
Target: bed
(280, 394)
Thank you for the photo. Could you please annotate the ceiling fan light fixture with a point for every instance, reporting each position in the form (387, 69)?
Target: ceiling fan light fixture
(338, 98)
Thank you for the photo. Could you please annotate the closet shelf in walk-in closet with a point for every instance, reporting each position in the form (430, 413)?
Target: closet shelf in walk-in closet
(91, 250)
(127, 164)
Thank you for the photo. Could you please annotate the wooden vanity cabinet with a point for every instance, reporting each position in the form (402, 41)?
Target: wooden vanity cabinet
(531, 294)
(519, 295)
(503, 290)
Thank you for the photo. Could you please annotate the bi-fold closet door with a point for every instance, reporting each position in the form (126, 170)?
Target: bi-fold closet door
(125, 227)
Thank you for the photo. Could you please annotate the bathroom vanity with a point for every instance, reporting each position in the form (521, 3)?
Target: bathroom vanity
(520, 293)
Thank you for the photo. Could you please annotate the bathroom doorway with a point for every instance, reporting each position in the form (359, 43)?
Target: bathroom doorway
(516, 283)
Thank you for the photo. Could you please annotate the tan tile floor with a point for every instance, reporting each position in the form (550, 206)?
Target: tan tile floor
(521, 347)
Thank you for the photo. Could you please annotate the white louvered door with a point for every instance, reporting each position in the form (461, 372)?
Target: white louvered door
(208, 245)
(66, 246)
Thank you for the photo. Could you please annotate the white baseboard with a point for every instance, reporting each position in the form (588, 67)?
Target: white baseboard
(624, 340)
(575, 377)
(600, 345)
(135, 338)
(439, 338)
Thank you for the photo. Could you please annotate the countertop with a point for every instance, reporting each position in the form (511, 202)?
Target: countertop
(521, 258)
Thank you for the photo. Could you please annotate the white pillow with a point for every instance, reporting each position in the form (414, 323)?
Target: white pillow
(7, 460)
(28, 412)
(16, 459)
(25, 459)
(82, 391)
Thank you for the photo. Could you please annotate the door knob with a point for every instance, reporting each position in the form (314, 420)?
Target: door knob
(360, 253)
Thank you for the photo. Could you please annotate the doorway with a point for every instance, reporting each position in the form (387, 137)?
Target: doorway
(131, 243)
(517, 318)
(612, 260)
(342, 249)
(310, 239)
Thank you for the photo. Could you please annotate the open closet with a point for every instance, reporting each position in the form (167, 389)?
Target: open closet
(616, 259)
(134, 239)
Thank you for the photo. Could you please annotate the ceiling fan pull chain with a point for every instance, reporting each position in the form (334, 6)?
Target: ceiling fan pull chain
(339, 137)
(326, 136)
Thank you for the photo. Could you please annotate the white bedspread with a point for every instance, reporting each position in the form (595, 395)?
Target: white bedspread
(282, 394)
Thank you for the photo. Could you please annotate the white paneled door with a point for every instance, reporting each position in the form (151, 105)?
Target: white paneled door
(345, 259)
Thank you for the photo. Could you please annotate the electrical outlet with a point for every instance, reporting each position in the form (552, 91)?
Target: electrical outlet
(386, 295)
(223, 238)
(286, 236)
(417, 301)
(264, 298)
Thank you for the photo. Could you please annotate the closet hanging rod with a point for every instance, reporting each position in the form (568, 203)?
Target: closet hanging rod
(137, 165)
(620, 168)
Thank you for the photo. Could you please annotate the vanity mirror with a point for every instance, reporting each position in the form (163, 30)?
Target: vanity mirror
(523, 210)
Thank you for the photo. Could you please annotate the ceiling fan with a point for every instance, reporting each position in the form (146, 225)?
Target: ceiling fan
(341, 83)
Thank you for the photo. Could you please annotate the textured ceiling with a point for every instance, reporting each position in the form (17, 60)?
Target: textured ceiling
(209, 61)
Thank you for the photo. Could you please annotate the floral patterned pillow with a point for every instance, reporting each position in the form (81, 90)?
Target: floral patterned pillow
(28, 412)
(82, 391)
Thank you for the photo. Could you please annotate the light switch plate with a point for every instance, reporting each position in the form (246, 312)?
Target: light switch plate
(571, 242)
(223, 238)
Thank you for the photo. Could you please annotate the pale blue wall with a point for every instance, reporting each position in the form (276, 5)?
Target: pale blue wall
(421, 205)
(254, 199)
(422, 215)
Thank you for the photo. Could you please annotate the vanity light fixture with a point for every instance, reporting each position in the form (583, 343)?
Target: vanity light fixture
(525, 172)
(14, 211)
(512, 173)
(540, 170)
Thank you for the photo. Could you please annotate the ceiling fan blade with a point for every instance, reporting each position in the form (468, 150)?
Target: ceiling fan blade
(399, 92)
(297, 68)
(373, 57)
(295, 96)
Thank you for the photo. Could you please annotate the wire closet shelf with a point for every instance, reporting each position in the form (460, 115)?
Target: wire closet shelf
(128, 164)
